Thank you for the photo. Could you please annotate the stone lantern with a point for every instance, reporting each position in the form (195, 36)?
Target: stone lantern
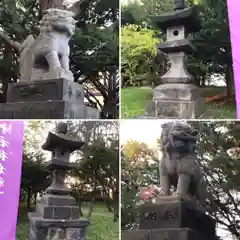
(57, 213)
(177, 96)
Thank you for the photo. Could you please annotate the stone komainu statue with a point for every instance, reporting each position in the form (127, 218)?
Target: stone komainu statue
(47, 56)
(178, 166)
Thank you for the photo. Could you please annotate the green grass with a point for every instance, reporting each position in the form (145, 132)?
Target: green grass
(133, 101)
(102, 226)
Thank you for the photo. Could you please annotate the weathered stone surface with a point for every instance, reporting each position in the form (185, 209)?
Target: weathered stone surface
(178, 167)
(165, 234)
(46, 110)
(177, 91)
(178, 214)
(44, 211)
(58, 231)
(177, 72)
(57, 212)
(57, 200)
(47, 56)
(187, 17)
(136, 235)
(45, 90)
(174, 109)
(176, 34)
(182, 45)
(37, 233)
(40, 222)
(176, 100)
(178, 234)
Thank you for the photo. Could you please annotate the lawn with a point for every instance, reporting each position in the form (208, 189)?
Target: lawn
(133, 102)
(102, 226)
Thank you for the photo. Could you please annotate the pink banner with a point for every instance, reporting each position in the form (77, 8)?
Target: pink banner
(11, 144)
(234, 21)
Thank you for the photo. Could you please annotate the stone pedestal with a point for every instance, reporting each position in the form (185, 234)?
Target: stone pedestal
(56, 217)
(176, 101)
(46, 99)
(165, 234)
(177, 97)
(173, 219)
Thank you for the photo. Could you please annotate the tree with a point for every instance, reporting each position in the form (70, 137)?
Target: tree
(139, 59)
(138, 169)
(98, 163)
(218, 154)
(94, 55)
(46, 4)
(35, 177)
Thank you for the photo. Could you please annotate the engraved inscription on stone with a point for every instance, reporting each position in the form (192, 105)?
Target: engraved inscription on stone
(165, 215)
(78, 94)
(33, 92)
(157, 217)
(65, 234)
(169, 109)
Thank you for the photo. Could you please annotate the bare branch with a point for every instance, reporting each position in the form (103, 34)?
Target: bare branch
(9, 41)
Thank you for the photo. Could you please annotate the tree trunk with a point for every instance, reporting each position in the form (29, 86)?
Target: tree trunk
(203, 81)
(92, 202)
(229, 82)
(115, 204)
(106, 198)
(46, 4)
(80, 203)
(29, 195)
(35, 198)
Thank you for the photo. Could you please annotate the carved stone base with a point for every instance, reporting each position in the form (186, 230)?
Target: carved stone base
(177, 213)
(45, 90)
(177, 91)
(165, 234)
(175, 101)
(47, 229)
(56, 217)
(173, 218)
(174, 109)
(56, 109)
(46, 99)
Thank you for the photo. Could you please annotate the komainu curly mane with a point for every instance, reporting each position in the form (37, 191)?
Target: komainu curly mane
(48, 54)
(178, 166)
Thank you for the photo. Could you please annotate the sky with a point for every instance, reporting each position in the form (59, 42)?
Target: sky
(146, 131)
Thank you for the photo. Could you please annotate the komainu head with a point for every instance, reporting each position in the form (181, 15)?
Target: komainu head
(57, 20)
(178, 137)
